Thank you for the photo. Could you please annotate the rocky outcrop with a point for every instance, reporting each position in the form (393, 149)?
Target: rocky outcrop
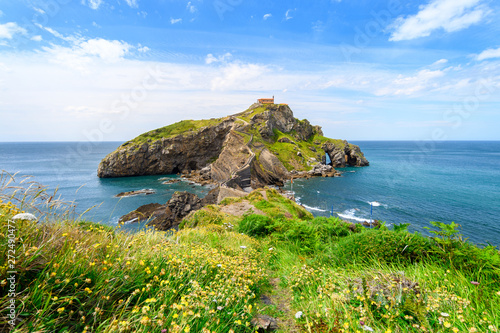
(267, 169)
(134, 193)
(344, 155)
(181, 153)
(264, 145)
(323, 170)
(164, 217)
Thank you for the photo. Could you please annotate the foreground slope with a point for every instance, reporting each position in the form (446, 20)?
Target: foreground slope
(225, 274)
(263, 145)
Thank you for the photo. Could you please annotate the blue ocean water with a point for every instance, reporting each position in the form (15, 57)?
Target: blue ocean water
(411, 182)
(72, 168)
(406, 182)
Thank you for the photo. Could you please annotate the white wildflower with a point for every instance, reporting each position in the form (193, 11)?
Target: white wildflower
(243, 247)
(298, 314)
(367, 328)
(25, 216)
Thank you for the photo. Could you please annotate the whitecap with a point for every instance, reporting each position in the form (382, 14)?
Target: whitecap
(350, 215)
(314, 208)
(376, 204)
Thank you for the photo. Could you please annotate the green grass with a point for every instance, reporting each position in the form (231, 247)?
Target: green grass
(181, 127)
(78, 276)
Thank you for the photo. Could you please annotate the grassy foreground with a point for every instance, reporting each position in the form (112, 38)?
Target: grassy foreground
(321, 274)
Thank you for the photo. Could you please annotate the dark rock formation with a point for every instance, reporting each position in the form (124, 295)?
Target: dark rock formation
(133, 193)
(164, 217)
(181, 153)
(348, 155)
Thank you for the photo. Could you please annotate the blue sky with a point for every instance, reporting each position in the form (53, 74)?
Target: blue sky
(76, 70)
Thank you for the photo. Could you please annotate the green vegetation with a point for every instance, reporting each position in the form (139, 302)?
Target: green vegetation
(323, 274)
(180, 127)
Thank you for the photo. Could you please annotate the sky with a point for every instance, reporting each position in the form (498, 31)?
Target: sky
(109, 70)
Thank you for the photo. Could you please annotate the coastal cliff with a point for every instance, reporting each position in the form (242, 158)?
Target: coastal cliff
(263, 145)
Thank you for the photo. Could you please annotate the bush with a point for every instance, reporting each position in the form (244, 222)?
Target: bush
(383, 246)
(255, 225)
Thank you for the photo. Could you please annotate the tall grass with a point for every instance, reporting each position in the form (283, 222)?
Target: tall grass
(78, 276)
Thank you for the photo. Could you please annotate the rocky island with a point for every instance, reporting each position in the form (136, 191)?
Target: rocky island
(263, 145)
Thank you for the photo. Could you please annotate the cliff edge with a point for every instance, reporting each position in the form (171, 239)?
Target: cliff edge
(263, 145)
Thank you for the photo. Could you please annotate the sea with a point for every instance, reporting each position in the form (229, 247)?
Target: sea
(406, 182)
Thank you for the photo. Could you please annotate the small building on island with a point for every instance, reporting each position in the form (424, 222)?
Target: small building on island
(266, 100)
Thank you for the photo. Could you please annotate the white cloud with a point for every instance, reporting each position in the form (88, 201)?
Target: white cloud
(143, 49)
(132, 3)
(212, 59)
(9, 29)
(1, 13)
(409, 85)
(488, 54)
(57, 34)
(174, 21)
(440, 62)
(318, 26)
(210, 91)
(191, 7)
(94, 4)
(36, 38)
(142, 13)
(84, 52)
(108, 50)
(39, 10)
(449, 15)
(239, 76)
(266, 16)
(288, 14)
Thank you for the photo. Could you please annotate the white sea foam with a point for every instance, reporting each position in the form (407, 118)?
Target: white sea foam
(350, 215)
(314, 208)
(376, 204)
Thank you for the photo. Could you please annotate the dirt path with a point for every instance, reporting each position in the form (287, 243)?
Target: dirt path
(240, 208)
(281, 298)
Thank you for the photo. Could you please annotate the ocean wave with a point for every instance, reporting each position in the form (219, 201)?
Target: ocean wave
(350, 215)
(376, 204)
(314, 208)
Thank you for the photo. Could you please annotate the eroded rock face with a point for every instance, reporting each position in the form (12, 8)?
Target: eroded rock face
(181, 153)
(268, 170)
(349, 155)
(170, 215)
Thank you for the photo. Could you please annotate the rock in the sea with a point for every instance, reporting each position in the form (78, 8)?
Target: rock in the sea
(145, 212)
(170, 215)
(133, 193)
(345, 154)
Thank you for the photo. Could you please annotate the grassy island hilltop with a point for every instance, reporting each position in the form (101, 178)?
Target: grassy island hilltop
(263, 145)
(275, 266)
